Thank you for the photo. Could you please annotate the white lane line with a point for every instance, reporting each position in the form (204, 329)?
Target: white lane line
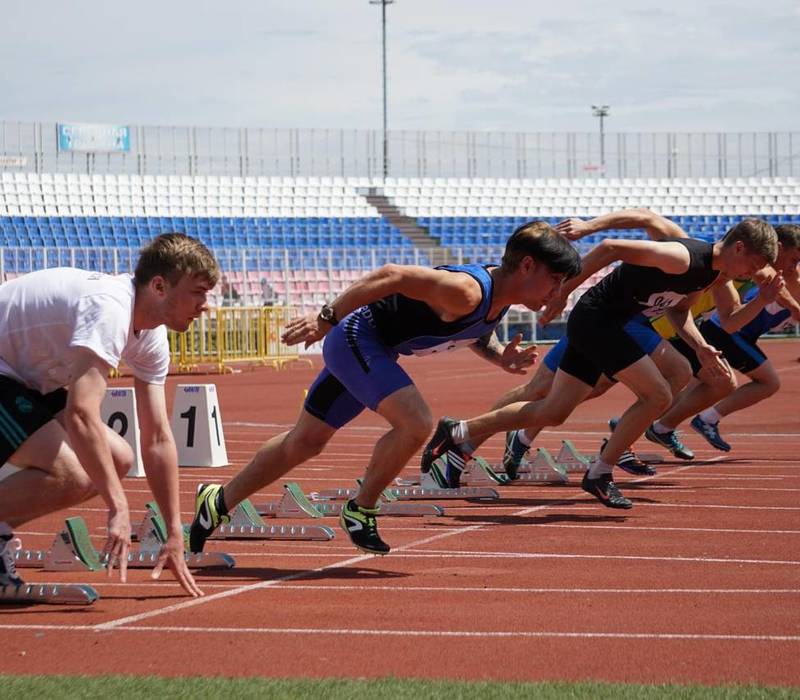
(446, 554)
(481, 589)
(316, 631)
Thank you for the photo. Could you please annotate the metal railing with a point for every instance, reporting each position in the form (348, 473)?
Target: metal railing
(192, 150)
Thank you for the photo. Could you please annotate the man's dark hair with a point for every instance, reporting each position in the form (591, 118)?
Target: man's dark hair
(539, 240)
(788, 235)
(758, 237)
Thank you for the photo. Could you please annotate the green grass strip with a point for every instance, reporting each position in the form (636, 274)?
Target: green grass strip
(122, 687)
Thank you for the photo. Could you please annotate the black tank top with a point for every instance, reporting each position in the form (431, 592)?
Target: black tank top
(632, 289)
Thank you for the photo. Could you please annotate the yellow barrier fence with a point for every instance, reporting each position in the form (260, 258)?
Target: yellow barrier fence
(228, 335)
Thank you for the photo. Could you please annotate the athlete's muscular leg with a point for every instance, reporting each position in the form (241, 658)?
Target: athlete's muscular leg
(51, 477)
(567, 392)
(537, 388)
(700, 395)
(278, 456)
(764, 382)
(674, 367)
(653, 397)
(412, 423)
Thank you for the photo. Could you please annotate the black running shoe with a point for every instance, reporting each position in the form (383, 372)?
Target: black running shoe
(8, 561)
(208, 515)
(514, 454)
(442, 444)
(629, 462)
(671, 441)
(605, 490)
(362, 529)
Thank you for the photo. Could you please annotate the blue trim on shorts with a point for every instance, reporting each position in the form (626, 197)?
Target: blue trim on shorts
(751, 350)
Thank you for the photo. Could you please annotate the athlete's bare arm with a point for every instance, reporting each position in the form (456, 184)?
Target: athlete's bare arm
(451, 295)
(668, 256)
(160, 457)
(87, 436)
(734, 315)
(680, 316)
(658, 228)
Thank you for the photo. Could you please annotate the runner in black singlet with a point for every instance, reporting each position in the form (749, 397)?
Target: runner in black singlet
(654, 278)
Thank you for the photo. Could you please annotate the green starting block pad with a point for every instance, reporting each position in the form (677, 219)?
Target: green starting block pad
(246, 524)
(48, 594)
(544, 469)
(294, 503)
(571, 458)
(72, 550)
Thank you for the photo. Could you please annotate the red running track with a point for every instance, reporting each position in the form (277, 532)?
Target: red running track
(699, 582)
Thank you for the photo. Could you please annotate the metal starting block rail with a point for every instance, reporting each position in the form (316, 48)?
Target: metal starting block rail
(72, 550)
(48, 594)
(246, 524)
(295, 504)
(543, 468)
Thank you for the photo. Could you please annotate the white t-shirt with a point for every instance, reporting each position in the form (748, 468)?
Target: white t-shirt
(46, 316)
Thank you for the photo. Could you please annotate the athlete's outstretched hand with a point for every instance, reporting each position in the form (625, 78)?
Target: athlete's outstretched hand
(118, 544)
(769, 290)
(516, 360)
(308, 329)
(573, 229)
(171, 556)
(711, 360)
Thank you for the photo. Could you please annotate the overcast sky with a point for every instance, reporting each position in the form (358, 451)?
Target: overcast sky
(515, 65)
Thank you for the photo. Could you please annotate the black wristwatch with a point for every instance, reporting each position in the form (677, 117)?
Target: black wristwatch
(328, 314)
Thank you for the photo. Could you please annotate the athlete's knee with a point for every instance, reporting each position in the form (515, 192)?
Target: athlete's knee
(123, 460)
(658, 395)
(771, 384)
(72, 480)
(418, 425)
(680, 374)
(554, 414)
(301, 445)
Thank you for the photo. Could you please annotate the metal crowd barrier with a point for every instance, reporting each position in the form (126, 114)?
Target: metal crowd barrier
(225, 336)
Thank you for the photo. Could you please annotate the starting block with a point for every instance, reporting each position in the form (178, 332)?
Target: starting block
(152, 534)
(72, 550)
(478, 472)
(48, 594)
(544, 469)
(295, 504)
(571, 458)
(246, 524)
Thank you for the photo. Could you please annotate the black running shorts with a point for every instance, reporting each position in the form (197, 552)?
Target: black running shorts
(742, 354)
(598, 344)
(22, 412)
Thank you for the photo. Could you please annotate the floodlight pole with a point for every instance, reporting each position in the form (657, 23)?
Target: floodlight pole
(383, 4)
(601, 111)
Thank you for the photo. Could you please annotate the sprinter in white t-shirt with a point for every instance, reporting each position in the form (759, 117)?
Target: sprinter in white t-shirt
(61, 330)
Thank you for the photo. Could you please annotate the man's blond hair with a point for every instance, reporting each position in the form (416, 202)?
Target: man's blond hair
(173, 255)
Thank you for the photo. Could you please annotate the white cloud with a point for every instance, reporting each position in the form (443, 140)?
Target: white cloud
(454, 64)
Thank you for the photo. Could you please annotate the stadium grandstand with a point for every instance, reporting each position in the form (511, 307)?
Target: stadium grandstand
(294, 224)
